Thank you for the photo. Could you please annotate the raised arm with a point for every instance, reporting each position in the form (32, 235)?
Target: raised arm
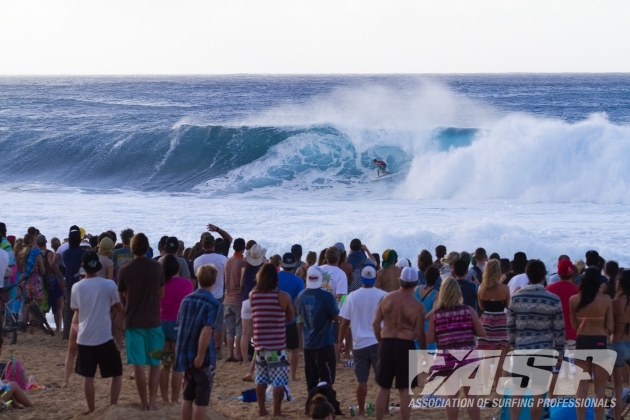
(226, 236)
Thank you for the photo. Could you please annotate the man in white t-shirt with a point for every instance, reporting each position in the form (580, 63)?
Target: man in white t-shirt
(360, 309)
(93, 298)
(334, 280)
(218, 261)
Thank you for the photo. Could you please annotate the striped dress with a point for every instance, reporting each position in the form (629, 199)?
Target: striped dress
(453, 331)
(269, 321)
(494, 321)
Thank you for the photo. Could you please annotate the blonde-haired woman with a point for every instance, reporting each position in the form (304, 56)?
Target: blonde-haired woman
(448, 262)
(453, 326)
(493, 298)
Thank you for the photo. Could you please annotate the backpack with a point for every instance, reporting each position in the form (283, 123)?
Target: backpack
(356, 277)
(14, 372)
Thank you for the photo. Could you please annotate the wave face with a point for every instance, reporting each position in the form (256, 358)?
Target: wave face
(438, 142)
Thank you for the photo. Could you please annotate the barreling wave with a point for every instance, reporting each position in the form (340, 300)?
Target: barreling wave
(437, 144)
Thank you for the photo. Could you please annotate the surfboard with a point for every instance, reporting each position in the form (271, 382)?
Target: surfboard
(389, 175)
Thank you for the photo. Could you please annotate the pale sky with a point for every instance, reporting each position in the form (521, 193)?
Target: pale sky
(297, 37)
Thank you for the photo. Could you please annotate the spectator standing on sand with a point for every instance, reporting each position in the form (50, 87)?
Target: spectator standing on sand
(440, 252)
(175, 290)
(171, 247)
(564, 288)
(93, 298)
(271, 309)
(293, 286)
(71, 258)
(468, 288)
(195, 354)
(535, 322)
(210, 256)
(360, 309)
(387, 277)
(336, 282)
(402, 317)
(232, 303)
(319, 310)
(141, 286)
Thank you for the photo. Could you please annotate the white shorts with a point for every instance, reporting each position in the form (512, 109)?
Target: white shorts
(246, 310)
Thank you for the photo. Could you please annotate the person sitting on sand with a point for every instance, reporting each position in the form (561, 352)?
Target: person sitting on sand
(402, 320)
(141, 286)
(93, 298)
(196, 354)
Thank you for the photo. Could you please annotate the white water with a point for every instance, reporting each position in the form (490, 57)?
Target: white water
(542, 230)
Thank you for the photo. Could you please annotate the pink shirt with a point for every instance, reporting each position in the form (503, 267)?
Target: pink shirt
(175, 290)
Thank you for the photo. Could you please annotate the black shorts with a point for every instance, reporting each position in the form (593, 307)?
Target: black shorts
(364, 359)
(393, 362)
(335, 332)
(106, 356)
(591, 342)
(293, 341)
(199, 385)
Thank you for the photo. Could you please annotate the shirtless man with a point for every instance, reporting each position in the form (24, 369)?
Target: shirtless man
(403, 318)
(387, 277)
(382, 166)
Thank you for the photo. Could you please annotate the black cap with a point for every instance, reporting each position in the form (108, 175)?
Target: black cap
(296, 249)
(172, 245)
(288, 260)
(91, 263)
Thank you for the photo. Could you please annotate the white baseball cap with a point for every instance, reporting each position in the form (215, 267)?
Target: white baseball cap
(368, 275)
(409, 275)
(402, 263)
(314, 277)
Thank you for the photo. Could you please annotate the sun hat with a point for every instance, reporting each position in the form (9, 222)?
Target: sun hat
(314, 277)
(256, 255)
(106, 245)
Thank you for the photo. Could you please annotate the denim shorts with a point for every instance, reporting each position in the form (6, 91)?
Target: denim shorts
(170, 330)
(623, 352)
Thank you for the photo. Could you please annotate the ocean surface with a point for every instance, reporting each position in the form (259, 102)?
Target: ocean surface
(534, 163)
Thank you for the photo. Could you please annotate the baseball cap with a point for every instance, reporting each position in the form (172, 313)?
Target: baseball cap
(409, 275)
(314, 278)
(340, 247)
(288, 260)
(402, 263)
(565, 268)
(172, 245)
(90, 262)
(85, 244)
(296, 249)
(368, 275)
(41, 240)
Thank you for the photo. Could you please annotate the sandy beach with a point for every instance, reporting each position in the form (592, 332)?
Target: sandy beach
(44, 356)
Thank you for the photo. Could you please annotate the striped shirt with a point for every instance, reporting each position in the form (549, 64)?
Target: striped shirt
(233, 268)
(535, 319)
(269, 320)
(453, 331)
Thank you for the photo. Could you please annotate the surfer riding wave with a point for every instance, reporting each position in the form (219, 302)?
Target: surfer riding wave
(382, 166)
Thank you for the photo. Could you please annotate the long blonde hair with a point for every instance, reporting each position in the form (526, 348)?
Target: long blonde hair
(491, 274)
(450, 294)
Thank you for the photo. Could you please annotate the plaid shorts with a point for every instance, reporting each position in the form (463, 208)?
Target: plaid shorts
(272, 367)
